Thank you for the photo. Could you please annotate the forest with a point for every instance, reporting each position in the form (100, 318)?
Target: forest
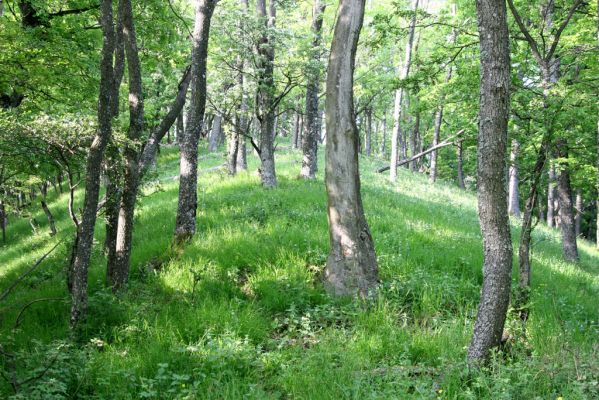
(299, 199)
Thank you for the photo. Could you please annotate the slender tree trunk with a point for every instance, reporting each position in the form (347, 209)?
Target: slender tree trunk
(118, 268)
(460, 157)
(566, 213)
(180, 129)
(296, 131)
(524, 267)
(492, 196)
(3, 220)
(150, 149)
(47, 212)
(578, 217)
(351, 266)
(264, 96)
(414, 142)
(399, 96)
(85, 231)
(384, 138)
(215, 133)
(551, 197)
(310, 137)
(185, 225)
(368, 139)
(597, 201)
(514, 194)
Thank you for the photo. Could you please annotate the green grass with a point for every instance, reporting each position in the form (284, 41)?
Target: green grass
(240, 312)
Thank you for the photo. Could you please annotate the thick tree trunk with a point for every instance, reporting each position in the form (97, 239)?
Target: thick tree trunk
(351, 266)
(85, 231)
(491, 179)
(514, 194)
(566, 212)
(399, 97)
(185, 225)
(310, 137)
(264, 96)
(460, 157)
(118, 268)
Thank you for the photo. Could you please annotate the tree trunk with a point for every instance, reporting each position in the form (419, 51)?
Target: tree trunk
(180, 129)
(265, 110)
(3, 220)
(296, 131)
(185, 225)
(524, 268)
(310, 137)
(492, 196)
(551, 197)
(414, 142)
(118, 268)
(399, 96)
(514, 194)
(566, 213)
(578, 218)
(382, 147)
(85, 231)
(215, 133)
(460, 157)
(351, 266)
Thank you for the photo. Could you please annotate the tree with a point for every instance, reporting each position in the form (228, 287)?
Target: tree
(118, 268)
(265, 99)
(351, 265)
(492, 196)
(85, 231)
(311, 131)
(400, 94)
(513, 193)
(185, 225)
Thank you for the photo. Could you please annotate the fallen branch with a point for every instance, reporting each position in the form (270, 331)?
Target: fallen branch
(422, 154)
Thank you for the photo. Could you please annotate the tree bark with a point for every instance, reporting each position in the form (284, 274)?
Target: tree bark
(265, 110)
(85, 231)
(399, 96)
(310, 137)
(118, 268)
(185, 225)
(566, 213)
(215, 133)
(524, 266)
(514, 194)
(414, 142)
(551, 197)
(3, 220)
(492, 196)
(180, 127)
(351, 267)
(578, 217)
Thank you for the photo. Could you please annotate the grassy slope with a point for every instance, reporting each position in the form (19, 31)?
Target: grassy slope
(240, 312)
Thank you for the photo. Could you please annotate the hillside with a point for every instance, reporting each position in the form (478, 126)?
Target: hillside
(240, 312)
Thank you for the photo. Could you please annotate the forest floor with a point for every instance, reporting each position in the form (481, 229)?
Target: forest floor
(240, 312)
